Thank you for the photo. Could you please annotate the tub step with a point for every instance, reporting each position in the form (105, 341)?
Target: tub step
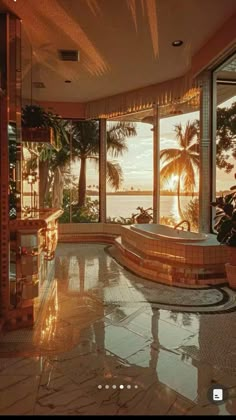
(164, 272)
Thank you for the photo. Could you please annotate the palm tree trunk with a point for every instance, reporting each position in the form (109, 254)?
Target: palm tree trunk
(179, 205)
(82, 183)
(43, 181)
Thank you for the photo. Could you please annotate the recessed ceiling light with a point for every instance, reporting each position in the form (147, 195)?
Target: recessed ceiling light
(67, 81)
(39, 85)
(177, 43)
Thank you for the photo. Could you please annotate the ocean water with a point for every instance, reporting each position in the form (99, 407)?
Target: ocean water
(125, 205)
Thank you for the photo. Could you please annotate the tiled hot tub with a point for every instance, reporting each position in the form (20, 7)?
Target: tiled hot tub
(185, 258)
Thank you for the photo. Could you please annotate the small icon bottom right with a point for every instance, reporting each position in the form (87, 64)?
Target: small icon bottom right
(217, 394)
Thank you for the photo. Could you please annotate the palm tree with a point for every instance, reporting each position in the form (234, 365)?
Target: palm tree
(85, 146)
(184, 161)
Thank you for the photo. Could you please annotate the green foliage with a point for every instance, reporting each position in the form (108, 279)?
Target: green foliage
(226, 218)
(121, 220)
(191, 213)
(88, 213)
(168, 220)
(226, 136)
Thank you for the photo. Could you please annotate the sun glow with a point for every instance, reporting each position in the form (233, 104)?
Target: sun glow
(172, 182)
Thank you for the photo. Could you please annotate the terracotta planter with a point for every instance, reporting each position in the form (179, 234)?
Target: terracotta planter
(38, 135)
(230, 267)
(231, 274)
(232, 255)
(143, 219)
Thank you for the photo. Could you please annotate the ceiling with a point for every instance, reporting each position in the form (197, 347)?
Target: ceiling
(123, 44)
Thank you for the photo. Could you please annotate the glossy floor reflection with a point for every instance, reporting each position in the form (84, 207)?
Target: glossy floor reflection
(104, 345)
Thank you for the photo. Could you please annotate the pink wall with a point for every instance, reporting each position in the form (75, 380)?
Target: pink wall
(65, 109)
(222, 40)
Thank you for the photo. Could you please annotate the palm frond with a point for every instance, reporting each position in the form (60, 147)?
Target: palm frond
(167, 155)
(179, 134)
(188, 177)
(186, 136)
(190, 134)
(114, 174)
(195, 160)
(194, 148)
(170, 169)
(117, 134)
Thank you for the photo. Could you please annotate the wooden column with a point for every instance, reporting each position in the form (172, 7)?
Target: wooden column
(102, 170)
(156, 165)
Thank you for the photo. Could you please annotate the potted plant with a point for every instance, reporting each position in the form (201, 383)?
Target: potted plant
(144, 215)
(226, 230)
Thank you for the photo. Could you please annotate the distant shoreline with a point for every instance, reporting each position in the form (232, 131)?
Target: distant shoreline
(132, 193)
(163, 193)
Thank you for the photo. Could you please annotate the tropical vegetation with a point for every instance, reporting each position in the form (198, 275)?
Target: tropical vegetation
(226, 137)
(76, 141)
(225, 219)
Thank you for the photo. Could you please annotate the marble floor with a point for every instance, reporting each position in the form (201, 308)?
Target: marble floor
(108, 342)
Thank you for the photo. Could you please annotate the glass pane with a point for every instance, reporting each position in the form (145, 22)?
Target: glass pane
(179, 144)
(130, 171)
(81, 174)
(226, 128)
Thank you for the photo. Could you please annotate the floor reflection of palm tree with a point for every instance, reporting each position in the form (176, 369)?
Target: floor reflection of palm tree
(62, 268)
(155, 346)
(81, 264)
(210, 353)
(99, 333)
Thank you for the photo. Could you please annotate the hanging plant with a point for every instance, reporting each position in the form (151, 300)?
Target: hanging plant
(40, 126)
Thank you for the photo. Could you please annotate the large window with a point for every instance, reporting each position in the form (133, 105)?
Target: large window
(64, 175)
(179, 144)
(129, 171)
(225, 127)
(81, 174)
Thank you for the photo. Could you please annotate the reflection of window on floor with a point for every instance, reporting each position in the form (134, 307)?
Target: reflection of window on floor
(185, 378)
